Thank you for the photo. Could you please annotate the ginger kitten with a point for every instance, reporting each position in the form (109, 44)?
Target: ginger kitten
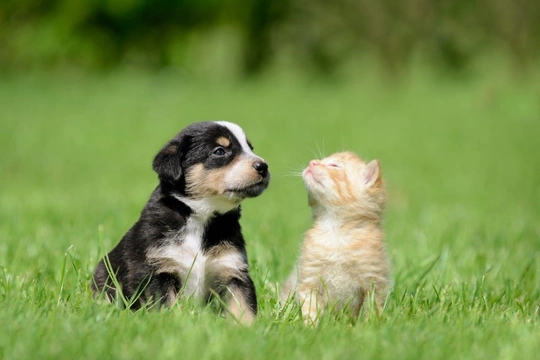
(343, 257)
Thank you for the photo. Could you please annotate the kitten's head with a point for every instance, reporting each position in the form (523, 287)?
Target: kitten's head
(344, 181)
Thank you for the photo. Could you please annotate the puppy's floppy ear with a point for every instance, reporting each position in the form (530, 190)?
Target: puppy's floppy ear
(168, 162)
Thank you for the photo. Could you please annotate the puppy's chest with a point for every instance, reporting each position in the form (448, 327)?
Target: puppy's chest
(184, 255)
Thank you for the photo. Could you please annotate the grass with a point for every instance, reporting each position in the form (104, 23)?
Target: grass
(461, 158)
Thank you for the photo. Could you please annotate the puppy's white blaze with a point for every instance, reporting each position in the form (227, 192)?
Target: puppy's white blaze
(239, 134)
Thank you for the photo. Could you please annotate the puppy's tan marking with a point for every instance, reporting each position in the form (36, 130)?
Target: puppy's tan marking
(171, 150)
(223, 141)
(202, 182)
(225, 263)
(238, 307)
(242, 173)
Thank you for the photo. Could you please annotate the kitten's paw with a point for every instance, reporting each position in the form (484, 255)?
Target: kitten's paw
(310, 313)
(311, 320)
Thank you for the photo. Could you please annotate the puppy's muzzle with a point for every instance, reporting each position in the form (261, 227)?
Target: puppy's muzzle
(256, 184)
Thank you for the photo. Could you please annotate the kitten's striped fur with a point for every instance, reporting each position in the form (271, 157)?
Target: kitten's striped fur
(343, 256)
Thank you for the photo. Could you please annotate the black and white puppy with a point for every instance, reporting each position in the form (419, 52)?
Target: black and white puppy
(188, 241)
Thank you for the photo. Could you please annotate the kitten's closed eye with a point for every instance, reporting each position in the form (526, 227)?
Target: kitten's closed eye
(334, 165)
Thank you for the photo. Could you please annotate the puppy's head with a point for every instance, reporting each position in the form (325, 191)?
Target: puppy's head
(212, 160)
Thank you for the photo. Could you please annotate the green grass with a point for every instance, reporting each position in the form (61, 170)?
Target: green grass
(462, 162)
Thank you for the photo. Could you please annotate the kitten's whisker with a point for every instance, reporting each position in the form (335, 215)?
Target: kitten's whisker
(319, 154)
(297, 182)
(294, 173)
(314, 152)
(320, 151)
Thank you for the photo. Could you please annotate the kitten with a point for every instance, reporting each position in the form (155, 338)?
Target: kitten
(343, 257)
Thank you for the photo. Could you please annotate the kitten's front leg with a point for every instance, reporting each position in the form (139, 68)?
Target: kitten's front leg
(311, 306)
(288, 288)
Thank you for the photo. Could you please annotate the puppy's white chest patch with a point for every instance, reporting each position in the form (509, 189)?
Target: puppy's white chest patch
(192, 262)
(184, 257)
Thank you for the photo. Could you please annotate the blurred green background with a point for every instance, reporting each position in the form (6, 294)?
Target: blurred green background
(445, 93)
(247, 37)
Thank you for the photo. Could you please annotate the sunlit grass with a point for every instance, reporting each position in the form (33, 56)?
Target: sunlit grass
(461, 161)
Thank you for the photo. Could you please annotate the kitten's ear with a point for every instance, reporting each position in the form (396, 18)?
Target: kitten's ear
(372, 174)
(168, 162)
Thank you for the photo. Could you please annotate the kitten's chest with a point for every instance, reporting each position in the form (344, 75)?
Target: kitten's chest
(335, 255)
(333, 242)
(339, 271)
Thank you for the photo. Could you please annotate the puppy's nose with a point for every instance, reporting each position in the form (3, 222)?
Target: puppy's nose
(261, 167)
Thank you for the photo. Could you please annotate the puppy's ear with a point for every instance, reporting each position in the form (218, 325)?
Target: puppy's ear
(168, 162)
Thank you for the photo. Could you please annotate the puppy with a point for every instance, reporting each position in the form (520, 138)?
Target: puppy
(188, 241)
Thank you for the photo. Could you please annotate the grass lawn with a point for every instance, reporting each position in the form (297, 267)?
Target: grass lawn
(462, 162)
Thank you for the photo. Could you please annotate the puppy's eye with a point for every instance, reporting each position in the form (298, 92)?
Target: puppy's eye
(219, 151)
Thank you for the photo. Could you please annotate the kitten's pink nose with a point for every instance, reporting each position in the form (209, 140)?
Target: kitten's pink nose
(313, 163)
